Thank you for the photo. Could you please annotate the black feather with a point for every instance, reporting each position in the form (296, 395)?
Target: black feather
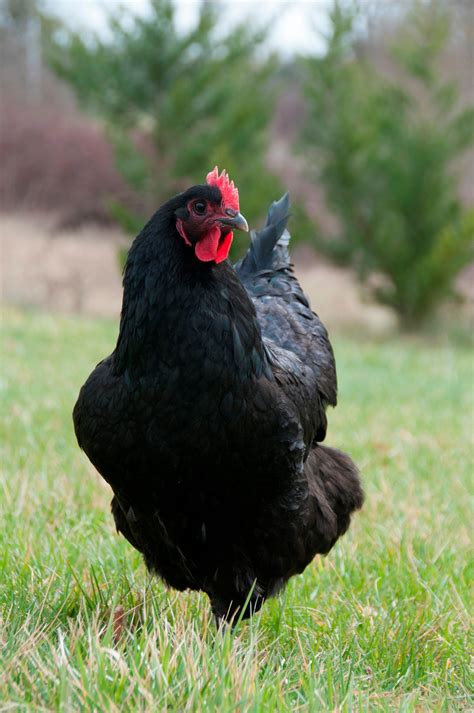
(262, 254)
(206, 419)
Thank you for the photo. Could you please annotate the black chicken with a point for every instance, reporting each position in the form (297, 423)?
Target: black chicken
(207, 418)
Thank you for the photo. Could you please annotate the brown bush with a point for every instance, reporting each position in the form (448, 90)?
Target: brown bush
(57, 162)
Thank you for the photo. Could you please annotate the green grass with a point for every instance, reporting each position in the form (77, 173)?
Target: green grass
(380, 624)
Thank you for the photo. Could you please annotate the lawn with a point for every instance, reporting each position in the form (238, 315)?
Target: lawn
(380, 624)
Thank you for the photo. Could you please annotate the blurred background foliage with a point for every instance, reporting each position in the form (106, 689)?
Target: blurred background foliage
(372, 134)
(178, 103)
(385, 152)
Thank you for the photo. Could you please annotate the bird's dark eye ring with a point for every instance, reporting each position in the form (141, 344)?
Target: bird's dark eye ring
(199, 207)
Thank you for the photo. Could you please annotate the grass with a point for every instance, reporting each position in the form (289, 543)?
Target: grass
(381, 624)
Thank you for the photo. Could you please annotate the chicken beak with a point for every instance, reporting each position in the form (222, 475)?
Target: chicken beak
(235, 221)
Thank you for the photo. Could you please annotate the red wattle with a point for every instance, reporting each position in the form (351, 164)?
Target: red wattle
(224, 247)
(208, 247)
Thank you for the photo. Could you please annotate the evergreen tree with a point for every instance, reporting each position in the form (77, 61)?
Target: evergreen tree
(385, 153)
(196, 99)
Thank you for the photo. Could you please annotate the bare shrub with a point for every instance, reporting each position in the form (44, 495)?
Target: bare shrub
(57, 162)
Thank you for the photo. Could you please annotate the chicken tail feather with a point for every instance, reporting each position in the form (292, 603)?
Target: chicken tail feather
(334, 482)
(269, 246)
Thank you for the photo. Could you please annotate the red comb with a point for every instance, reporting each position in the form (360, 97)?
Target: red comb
(230, 194)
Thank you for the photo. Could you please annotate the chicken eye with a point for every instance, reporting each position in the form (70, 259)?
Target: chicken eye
(199, 207)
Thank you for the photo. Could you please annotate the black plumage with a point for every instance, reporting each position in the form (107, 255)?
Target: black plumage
(207, 418)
